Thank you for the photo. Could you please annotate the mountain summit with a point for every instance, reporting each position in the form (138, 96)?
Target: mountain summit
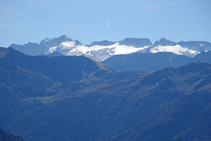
(136, 42)
(102, 43)
(164, 42)
(52, 42)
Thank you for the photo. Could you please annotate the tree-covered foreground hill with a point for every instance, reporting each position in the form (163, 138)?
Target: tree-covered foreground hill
(75, 98)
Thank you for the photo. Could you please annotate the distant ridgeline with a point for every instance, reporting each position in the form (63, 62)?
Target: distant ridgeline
(45, 98)
(102, 50)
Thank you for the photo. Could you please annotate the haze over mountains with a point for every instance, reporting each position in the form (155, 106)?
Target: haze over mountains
(102, 50)
(75, 98)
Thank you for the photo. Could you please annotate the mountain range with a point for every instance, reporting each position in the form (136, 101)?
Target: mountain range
(102, 50)
(76, 98)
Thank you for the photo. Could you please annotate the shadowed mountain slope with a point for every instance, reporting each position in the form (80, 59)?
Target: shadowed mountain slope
(153, 61)
(61, 68)
(8, 137)
(95, 102)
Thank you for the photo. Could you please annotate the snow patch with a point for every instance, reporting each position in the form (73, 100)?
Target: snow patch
(67, 45)
(201, 45)
(48, 39)
(52, 49)
(177, 49)
(123, 49)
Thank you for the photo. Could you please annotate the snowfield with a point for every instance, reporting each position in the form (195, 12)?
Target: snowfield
(101, 53)
(97, 52)
(177, 49)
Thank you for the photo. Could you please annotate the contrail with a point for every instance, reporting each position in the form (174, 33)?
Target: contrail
(107, 24)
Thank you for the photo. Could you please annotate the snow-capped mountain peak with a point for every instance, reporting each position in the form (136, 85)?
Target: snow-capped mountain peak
(52, 42)
(102, 50)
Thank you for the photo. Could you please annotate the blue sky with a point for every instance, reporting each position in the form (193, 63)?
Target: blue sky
(23, 21)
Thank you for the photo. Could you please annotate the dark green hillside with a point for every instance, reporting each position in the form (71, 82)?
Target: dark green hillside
(75, 98)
